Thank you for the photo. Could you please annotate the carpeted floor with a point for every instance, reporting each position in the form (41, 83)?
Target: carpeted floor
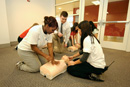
(118, 74)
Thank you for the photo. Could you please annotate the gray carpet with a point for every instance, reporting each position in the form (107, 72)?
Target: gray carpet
(118, 74)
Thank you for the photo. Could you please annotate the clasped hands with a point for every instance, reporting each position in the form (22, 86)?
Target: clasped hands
(71, 63)
(49, 58)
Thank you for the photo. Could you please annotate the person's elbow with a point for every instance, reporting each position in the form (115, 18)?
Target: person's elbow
(33, 47)
(82, 60)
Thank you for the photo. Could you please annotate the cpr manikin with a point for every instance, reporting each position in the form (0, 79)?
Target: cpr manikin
(51, 71)
(74, 48)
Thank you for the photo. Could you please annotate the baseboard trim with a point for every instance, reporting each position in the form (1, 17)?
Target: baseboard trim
(4, 45)
(13, 43)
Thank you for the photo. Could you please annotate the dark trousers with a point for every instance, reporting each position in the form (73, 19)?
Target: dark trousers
(20, 39)
(83, 70)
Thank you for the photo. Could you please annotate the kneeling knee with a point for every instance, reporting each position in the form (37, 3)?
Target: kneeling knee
(35, 69)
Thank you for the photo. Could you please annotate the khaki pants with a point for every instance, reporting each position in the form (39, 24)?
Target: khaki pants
(57, 45)
(32, 61)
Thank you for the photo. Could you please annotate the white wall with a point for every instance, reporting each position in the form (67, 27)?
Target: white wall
(22, 14)
(4, 32)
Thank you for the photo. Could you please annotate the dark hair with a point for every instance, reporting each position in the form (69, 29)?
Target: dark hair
(64, 14)
(92, 25)
(86, 30)
(74, 26)
(51, 21)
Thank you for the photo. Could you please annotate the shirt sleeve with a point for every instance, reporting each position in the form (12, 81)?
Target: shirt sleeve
(87, 45)
(32, 37)
(68, 31)
(84, 57)
(49, 39)
(95, 31)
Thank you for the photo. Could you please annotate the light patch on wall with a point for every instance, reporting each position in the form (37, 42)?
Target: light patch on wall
(59, 8)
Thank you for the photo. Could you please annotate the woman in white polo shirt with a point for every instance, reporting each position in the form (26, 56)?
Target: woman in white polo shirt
(29, 49)
(92, 62)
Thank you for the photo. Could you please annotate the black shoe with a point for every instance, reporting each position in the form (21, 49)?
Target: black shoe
(16, 48)
(106, 67)
(95, 77)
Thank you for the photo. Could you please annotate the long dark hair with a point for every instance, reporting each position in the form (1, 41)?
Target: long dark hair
(93, 26)
(51, 21)
(86, 30)
(74, 26)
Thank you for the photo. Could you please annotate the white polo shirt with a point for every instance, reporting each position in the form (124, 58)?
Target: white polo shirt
(95, 31)
(35, 36)
(96, 57)
(66, 30)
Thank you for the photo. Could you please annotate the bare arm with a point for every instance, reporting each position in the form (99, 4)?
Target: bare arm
(38, 51)
(77, 62)
(81, 60)
(50, 50)
(71, 63)
(75, 55)
(76, 38)
(72, 40)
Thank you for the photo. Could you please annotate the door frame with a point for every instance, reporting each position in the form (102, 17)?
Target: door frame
(102, 23)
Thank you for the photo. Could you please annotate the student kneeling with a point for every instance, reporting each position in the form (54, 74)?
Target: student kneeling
(92, 62)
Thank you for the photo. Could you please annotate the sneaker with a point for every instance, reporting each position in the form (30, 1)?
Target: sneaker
(18, 64)
(95, 77)
(16, 47)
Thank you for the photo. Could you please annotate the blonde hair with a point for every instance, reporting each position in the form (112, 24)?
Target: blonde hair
(34, 25)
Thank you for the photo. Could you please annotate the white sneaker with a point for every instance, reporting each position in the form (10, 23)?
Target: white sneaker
(18, 64)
